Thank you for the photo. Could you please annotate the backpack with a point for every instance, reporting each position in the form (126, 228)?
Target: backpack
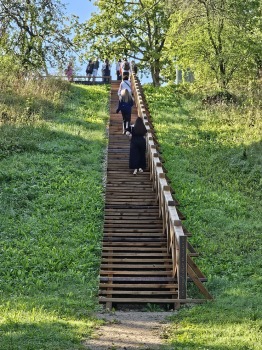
(126, 65)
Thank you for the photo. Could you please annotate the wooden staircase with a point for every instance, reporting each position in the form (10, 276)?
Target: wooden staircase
(136, 266)
(146, 257)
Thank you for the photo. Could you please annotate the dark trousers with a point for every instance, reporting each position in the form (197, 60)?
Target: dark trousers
(126, 119)
(119, 77)
(106, 73)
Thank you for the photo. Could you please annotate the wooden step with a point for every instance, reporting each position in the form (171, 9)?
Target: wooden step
(140, 255)
(151, 300)
(136, 266)
(126, 260)
(138, 292)
(141, 286)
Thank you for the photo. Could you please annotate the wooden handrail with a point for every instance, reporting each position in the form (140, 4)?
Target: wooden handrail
(79, 77)
(172, 226)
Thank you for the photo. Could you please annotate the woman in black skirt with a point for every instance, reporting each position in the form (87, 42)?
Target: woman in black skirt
(137, 153)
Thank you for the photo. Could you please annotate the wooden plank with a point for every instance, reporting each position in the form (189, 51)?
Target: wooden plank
(199, 284)
(140, 285)
(131, 215)
(136, 273)
(152, 261)
(143, 249)
(152, 300)
(131, 211)
(136, 292)
(134, 221)
(164, 255)
(109, 241)
(127, 240)
(136, 279)
(139, 231)
(194, 267)
(182, 268)
(136, 266)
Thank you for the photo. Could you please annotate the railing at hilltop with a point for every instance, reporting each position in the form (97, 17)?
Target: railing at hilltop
(82, 79)
(172, 226)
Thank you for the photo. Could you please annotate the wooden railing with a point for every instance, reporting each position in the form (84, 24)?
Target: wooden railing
(82, 78)
(172, 226)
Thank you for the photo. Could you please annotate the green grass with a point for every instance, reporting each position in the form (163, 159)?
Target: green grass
(51, 217)
(52, 144)
(214, 162)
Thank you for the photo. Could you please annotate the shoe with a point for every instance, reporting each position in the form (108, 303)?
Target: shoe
(140, 170)
(135, 172)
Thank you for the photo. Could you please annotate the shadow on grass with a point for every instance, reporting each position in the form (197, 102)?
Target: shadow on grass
(44, 335)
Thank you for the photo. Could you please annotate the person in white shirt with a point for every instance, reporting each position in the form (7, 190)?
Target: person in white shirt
(125, 84)
(95, 70)
(118, 69)
(106, 68)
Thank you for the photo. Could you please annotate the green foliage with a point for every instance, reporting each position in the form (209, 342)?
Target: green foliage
(136, 30)
(218, 40)
(34, 32)
(24, 100)
(213, 158)
(51, 200)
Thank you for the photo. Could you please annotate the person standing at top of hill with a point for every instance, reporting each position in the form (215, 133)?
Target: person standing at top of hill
(126, 68)
(125, 84)
(89, 69)
(69, 72)
(134, 67)
(106, 69)
(118, 69)
(95, 70)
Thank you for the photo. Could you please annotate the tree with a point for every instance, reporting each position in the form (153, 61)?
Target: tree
(34, 32)
(136, 29)
(216, 37)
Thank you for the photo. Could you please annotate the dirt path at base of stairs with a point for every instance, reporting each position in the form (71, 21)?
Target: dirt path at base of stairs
(130, 331)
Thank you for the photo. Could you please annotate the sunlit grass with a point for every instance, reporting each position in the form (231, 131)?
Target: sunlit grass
(213, 158)
(34, 328)
(51, 200)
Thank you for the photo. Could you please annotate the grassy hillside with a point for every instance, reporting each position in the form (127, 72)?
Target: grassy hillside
(52, 144)
(213, 154)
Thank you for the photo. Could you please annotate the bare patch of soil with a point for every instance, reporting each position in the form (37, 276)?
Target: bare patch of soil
(130, 330)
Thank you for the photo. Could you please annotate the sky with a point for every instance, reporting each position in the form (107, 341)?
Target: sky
(81, 8)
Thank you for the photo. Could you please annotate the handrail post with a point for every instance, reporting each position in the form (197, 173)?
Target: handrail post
(182, 268)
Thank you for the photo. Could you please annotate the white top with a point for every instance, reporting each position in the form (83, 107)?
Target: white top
(118, 64)
(125, 84)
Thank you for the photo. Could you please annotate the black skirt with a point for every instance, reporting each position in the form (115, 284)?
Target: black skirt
(137, 154)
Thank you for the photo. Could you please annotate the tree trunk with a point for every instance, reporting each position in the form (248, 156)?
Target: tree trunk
(223, 81)
(155, 73)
